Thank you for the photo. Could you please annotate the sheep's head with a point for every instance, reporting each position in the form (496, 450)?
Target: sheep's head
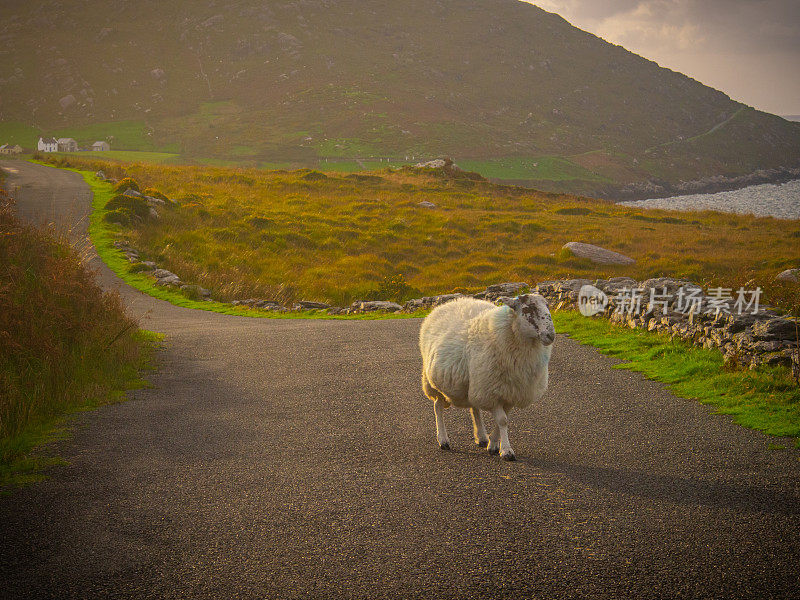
(534, 318)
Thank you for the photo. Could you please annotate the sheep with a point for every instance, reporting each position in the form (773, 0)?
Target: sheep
(485, 357)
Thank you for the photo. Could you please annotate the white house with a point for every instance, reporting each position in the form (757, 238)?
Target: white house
(67, 145)
(47, 144)
(101, 147)
(10, 149)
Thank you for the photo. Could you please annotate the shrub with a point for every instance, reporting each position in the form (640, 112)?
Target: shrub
(126, 183)
(154, 193)
(133, 205)
(117, 217)
(314, 176)
(63, 342)
(394, 288)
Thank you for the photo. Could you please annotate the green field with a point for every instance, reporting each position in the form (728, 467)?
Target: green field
(551, 168)
(335, 238)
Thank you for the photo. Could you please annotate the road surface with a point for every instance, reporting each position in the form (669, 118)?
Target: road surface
(297, 459)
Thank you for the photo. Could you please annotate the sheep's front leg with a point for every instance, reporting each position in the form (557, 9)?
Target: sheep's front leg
(501, 431)
(441, 431)
(478, 429)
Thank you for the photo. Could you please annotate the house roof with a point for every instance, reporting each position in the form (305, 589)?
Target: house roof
(66, 141)
(48, 140)
(99, 142)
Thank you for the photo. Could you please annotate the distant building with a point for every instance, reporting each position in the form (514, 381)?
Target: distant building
(47, 144)
(101, 147)
(10, 149)
(67, 145)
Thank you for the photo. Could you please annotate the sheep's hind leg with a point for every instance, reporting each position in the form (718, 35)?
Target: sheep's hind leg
(501, 431)
(478, 429)
(441, 431)
(440, 403)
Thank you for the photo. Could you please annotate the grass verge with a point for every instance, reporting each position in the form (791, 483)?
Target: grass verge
(765, 399)
(65, 345)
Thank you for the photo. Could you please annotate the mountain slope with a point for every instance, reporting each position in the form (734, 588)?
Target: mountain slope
(301, 79)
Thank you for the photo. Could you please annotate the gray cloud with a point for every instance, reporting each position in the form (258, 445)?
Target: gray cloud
(749, 49)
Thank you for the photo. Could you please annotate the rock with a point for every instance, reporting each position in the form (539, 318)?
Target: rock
(161, 273)
(791, 275)
(308, 305)
(507, 289)
(432, 164)
(149, 264)
(153, 214)
(100, 175)
(157, 73)
(156, 201)
(195, 291)
(170, 280)
(426, 204)
(372, 305)
(598, 255)
(774, 329)
(132, 193)
(67, 101)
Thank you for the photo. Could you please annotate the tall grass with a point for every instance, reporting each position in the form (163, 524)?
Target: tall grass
(300, 234)
(64, 344)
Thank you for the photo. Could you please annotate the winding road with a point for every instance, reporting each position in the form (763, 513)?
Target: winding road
(297, 459)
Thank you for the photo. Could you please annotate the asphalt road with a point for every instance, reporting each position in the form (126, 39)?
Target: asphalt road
(297, 459)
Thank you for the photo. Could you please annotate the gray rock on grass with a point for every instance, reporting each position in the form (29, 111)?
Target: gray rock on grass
(598, 255)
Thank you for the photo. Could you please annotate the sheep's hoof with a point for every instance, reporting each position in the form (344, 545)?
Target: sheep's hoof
(482, 443)
(494, 450)
(509, 456)
(444, 445)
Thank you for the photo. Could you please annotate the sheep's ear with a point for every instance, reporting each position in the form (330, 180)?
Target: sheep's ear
(512, 302)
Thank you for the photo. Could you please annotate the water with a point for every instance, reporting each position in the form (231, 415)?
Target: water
(765, 200)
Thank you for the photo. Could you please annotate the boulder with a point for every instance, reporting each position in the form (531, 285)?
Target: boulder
(161, 273)
(67, 101)
(308, 305)
(791, 275)
(171, 280)
(100, 175)
(426, 204)
(507, 289)
(432, 164)
(372, 305)
(775, 329)
(132, 193)
(598, 255)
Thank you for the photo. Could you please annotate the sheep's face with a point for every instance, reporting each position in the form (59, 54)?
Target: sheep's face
(535, 320)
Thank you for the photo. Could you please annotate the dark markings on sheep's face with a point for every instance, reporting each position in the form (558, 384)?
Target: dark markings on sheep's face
(533, 309)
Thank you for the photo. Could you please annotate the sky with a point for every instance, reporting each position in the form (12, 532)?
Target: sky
(749, 49)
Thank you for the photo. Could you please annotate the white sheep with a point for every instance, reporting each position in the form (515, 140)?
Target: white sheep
(481, 356)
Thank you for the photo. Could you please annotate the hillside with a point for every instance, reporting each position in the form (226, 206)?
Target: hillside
(309, 79)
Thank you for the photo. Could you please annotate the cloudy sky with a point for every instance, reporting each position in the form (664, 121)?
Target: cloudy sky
(750, 49)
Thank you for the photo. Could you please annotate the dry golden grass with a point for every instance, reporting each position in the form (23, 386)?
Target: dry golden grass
(287, 235)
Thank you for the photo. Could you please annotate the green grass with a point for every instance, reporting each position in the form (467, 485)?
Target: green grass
(27, 455)
(550, 168)
(103, 236)
(123, 135)
(765, 399)
(157, 158)
(294, 235)
(18, 133)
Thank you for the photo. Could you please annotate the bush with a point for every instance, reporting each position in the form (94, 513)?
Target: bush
(126, 183)
(154, 193)
(394, 288)
(134, 206)
(118, 217)
(63, 342)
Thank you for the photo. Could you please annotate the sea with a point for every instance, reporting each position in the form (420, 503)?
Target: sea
(781, 201)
